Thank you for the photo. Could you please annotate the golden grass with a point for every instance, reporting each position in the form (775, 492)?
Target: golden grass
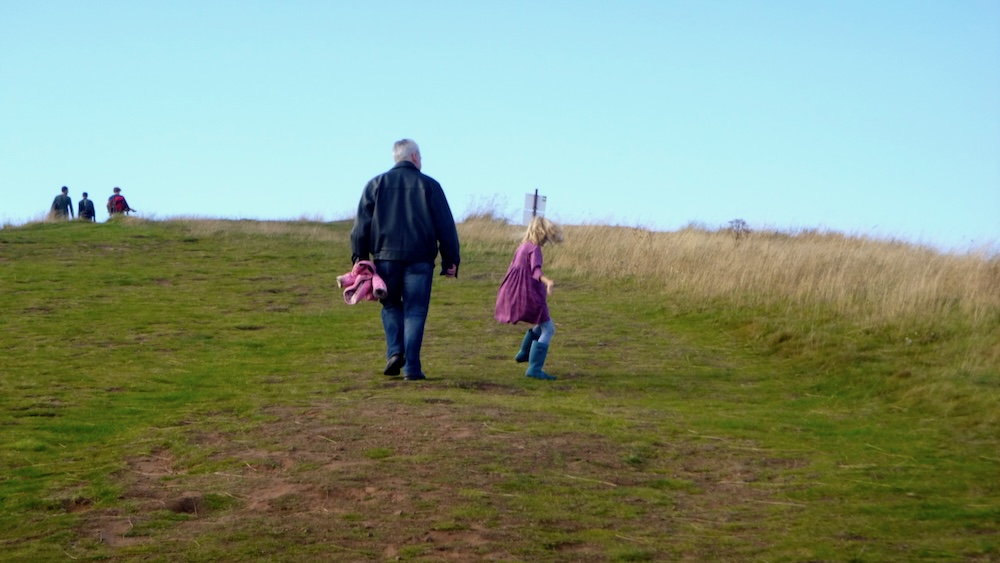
(484, 233)
(868, 280)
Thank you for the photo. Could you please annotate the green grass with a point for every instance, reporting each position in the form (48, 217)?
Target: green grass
(199, 391)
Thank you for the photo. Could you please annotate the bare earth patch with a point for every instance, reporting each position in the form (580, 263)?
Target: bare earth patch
(375, 480)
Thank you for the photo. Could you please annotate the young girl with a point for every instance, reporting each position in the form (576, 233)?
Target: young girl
(522, 295)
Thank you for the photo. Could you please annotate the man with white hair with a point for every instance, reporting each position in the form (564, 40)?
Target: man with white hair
(403, 219)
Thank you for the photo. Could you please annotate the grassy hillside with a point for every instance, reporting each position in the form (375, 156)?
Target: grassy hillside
(198, 391)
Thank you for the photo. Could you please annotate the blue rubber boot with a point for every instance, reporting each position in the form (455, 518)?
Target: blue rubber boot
(522, 355)
(536, 359)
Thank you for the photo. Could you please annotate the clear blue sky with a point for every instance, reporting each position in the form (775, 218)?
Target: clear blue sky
(878, 118)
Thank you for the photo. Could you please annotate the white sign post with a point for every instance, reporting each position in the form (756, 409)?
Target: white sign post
(534, 204)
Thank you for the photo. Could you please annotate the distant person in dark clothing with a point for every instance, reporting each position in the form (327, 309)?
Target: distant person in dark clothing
(62, 205)
(117, 203)
(403, 219)
(85, 210)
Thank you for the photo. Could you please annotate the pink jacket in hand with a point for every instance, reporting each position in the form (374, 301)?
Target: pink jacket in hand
(362, 284)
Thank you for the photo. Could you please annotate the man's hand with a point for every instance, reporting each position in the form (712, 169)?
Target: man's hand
(451, 271)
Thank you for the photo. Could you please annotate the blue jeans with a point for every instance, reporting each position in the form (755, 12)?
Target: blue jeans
(404, 310)
(544, 331)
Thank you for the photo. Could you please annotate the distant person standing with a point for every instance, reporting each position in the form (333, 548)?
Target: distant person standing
(117, 203)
(403, 219)
(62, 205)
(85, 210)
(523, 296)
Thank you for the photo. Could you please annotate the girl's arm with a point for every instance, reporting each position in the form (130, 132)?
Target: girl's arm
(548, 284)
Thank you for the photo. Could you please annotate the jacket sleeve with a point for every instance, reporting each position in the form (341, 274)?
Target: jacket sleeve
(444, 227)
(361, 232)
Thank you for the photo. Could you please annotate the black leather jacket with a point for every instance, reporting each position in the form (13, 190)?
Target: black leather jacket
(404, 215)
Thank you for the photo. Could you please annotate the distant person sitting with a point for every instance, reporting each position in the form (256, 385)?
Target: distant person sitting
(62, 205)
(117, 203)
(86, 209)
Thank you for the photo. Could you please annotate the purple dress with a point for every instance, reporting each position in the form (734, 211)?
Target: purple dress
(522, 293)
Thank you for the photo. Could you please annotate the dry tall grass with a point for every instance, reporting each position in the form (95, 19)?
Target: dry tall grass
(866, 280)
(854, 276)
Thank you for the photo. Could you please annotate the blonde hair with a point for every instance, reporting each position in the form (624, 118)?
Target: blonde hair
(541, 230)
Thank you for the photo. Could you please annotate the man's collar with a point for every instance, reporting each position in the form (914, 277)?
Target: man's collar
(406, 164)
